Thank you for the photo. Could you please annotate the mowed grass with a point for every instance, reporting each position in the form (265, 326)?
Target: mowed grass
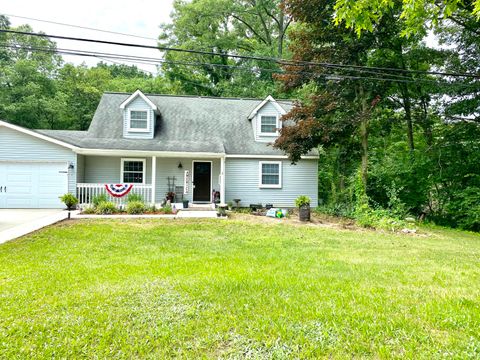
(237, 289)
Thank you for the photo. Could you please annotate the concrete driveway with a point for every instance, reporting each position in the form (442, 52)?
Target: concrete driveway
(18, 222)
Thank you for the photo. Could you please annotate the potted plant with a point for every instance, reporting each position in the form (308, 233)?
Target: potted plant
(69, 200)
(303, 204)
(170, 196)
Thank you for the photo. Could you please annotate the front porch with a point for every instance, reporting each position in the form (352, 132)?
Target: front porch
(154, 178)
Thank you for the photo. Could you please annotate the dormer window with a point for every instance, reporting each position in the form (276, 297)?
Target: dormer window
(269, 125)
(138, 121)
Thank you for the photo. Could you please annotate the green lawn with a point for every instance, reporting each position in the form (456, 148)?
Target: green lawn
(237, 289)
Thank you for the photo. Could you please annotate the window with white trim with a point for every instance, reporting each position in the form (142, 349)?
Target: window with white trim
(133, 171)
(270, 174)
(268, 125)
(138, 120)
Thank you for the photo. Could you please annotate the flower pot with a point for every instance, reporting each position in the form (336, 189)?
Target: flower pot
(304, 212)
(185, 204)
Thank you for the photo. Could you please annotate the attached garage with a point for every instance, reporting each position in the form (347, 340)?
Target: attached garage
(34, 169)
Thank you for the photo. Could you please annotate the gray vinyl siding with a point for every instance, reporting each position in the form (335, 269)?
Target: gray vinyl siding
(169, 167)
(80, 168)
(242, 182)
(138, 104)
(267, 110)
(107, 169)
(16, 146)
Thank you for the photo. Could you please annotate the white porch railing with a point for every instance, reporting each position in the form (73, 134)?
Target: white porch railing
(86, 192)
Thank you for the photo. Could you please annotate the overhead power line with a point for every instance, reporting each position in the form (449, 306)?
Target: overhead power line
(82, 27)
(249, 57)
(156, 61)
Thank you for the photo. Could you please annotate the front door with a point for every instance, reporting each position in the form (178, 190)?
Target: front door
(202, 178)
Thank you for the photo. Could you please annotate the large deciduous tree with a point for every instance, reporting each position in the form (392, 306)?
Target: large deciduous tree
(251, 27)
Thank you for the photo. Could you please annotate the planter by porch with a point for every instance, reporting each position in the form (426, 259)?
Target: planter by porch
(304, 212)
(185, 204)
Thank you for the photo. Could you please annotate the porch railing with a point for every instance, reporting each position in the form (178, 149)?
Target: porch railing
(87, 191)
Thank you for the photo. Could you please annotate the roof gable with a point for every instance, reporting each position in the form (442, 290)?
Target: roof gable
(268, 99)
(136, 94)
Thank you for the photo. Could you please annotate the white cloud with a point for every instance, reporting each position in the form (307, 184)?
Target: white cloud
(140, 17)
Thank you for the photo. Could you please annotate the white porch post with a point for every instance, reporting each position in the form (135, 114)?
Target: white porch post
(154, 177)
(222, 180)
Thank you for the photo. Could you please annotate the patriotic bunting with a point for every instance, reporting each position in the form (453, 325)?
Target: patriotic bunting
(118, 190)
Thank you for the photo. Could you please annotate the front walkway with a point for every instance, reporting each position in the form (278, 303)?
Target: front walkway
(18, 222)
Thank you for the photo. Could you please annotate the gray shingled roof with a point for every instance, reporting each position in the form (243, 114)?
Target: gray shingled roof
(187, 124)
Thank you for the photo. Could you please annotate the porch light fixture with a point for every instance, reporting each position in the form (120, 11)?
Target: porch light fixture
(180, 166)
(71, 166)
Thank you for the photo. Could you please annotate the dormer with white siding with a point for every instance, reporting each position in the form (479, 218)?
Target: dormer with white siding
(265, 120)
(138, 117)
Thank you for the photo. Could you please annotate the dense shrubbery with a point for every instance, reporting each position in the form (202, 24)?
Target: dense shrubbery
(106, 208)
(135, 207)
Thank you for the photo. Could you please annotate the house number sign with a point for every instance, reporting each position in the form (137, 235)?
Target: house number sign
(186, 181)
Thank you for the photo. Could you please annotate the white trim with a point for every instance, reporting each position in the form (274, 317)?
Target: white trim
(222, 180)
(131, 159)
(269, 134)
(193, 179)
(270, 186)
(269, 98)
(37, 135)
(240, 156)
(140, 130)
(154, 178)
(133, 96)
(125, 152)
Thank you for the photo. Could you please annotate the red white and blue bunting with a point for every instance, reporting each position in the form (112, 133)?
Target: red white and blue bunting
(118, 190)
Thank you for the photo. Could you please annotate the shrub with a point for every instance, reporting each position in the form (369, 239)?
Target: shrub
(167, 209)
(135, 207)
(96, 200)
(302, 200)
(105, 208)
(69, 200)
(134, 197)
(89, 210)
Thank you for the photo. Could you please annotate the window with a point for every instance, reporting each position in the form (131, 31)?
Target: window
(133, 171)
(268, 125)
(270, 174)
(138, 120)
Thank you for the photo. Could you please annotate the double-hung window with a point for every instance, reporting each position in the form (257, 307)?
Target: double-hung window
(268, 125)
(270, 174)
(133, 171)
(138, 120)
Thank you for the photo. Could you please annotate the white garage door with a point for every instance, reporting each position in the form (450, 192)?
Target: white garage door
(32, 185)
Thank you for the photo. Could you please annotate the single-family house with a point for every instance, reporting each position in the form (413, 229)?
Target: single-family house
(202, 148)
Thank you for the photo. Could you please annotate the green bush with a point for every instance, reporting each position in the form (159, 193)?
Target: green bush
(302, 200)
(106, 208)
(136, 207)
(167, 209)
(89, 210)
(134, 197)
(96, 200)
(464, 209)
(69, 200)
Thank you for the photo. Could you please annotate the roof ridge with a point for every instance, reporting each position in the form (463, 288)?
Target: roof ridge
(194, 96)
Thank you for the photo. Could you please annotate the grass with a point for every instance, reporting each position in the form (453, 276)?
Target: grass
(237, 289)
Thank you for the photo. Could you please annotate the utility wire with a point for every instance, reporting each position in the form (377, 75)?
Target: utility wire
(81, 27)
(155, 61)
(246, 57)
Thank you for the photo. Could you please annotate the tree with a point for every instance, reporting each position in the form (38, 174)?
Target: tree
(256, 27)
(363, 15)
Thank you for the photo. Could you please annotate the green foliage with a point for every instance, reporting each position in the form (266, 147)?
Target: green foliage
(89, 210)
(106, 208)
(69, 200)
(167, 209)
(302, 200)
(96, 200)
(134, 197)
(135, 207)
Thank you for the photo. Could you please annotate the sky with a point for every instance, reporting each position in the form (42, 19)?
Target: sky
(139, 17)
